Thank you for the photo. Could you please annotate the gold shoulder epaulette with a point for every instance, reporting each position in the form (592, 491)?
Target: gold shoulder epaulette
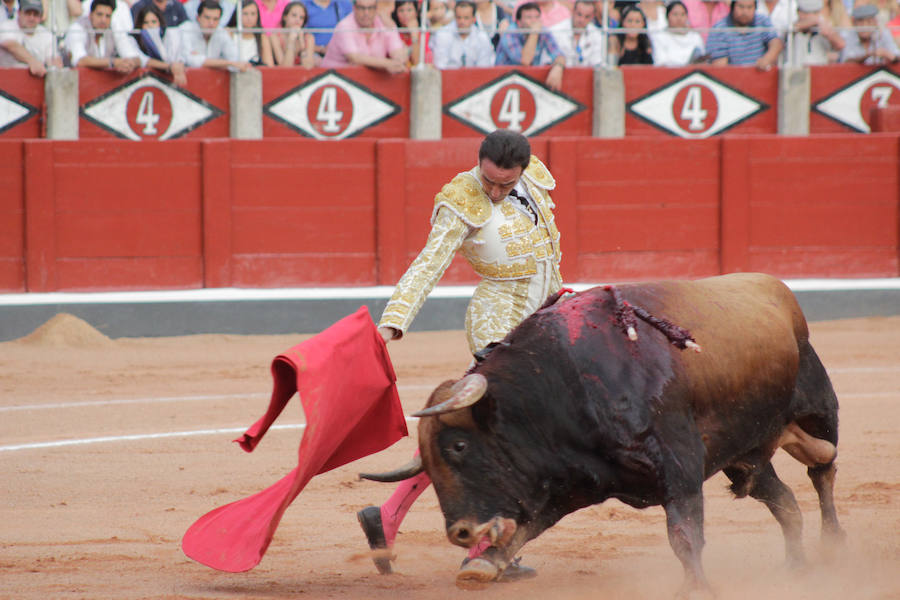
(539, 174)
(464, 196)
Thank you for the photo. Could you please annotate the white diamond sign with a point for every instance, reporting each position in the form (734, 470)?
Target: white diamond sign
(851, 104)
(13, 111)
(513, 101)
(695, 106)
(330, 107)
(149, 108)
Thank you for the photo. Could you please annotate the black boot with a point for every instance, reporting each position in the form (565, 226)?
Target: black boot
(370, 521)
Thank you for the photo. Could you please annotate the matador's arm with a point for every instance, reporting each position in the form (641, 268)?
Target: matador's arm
(448, 232)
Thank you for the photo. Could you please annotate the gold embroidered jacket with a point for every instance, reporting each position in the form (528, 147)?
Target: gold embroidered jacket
(517, 259)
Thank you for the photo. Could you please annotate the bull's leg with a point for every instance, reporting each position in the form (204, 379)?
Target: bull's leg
(823, 480)
(779, 499)
(684, 524)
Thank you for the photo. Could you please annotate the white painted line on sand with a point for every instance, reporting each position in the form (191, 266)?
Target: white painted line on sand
(155, 399)
(149, 436)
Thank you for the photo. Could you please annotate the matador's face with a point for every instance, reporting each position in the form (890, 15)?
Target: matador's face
(497, 181)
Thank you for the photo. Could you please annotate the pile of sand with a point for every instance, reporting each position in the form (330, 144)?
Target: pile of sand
(65, 330)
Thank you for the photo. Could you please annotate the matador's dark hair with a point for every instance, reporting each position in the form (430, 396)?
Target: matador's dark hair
(506, 149)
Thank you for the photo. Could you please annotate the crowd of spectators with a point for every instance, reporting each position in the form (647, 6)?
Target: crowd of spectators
(396, 35)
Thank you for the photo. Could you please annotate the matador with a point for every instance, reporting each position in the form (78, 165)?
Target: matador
(499, 215)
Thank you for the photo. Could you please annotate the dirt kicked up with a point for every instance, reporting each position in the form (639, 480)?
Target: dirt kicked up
(110, 449)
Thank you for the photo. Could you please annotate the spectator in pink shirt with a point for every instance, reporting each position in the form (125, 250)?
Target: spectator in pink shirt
(270, 12)
(361, 38)
(703, 14)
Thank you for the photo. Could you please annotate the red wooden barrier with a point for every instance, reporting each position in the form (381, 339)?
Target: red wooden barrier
(112, 215)
(642, 209)
(106, 215)
(820, 205)
(478, 101)
(303, 213)
(147, 106)
(333, 105)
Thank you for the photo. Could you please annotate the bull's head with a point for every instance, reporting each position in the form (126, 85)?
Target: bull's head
(486, 452)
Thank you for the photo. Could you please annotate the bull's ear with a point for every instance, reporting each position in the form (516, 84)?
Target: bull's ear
(465, 392)
(410, 469)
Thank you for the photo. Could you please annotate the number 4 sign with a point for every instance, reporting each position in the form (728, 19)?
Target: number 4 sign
(695, 106)
(149, 108)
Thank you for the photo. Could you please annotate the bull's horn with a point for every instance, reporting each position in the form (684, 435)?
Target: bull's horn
(410, 469)
(466, 392)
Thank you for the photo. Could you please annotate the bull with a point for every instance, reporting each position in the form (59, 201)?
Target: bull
(568, 411)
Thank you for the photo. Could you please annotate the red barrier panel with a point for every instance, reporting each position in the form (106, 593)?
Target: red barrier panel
(113, 215)
(21, 104)
(642, 210)
(12, 217)
(699, 102)
(843, 96)
(331, 105)
(477, 100)
(807, 206)
(147, 106)
(302, 213)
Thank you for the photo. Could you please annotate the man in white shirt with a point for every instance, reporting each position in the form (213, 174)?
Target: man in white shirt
(462, 43)
(24, 42)
(207, 45)
(91, 43)
(580, 41)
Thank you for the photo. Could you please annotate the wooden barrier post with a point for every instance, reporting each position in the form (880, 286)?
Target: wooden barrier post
(216, 167)
(40, 217)
(390, 213)
(563, 159)
(734, 228)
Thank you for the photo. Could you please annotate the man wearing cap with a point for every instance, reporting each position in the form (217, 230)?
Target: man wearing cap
(868, 44)
(757, 44)
(24, 42)
(815, 41)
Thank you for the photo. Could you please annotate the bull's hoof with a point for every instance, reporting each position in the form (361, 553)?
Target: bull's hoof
(475, 574)
(370, 521)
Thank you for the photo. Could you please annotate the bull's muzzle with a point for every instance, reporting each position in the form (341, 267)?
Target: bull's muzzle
(467, 533)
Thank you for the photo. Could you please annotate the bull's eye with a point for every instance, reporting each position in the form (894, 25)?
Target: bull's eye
(454, 446)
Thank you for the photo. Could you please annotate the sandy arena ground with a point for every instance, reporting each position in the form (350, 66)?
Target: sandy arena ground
(104, 518)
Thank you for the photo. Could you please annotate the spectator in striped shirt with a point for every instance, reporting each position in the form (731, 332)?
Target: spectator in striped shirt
(759, 45)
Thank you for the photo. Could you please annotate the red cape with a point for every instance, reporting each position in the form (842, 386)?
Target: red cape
(347, 386)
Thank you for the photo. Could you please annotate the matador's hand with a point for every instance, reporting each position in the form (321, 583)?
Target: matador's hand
(387, 333)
